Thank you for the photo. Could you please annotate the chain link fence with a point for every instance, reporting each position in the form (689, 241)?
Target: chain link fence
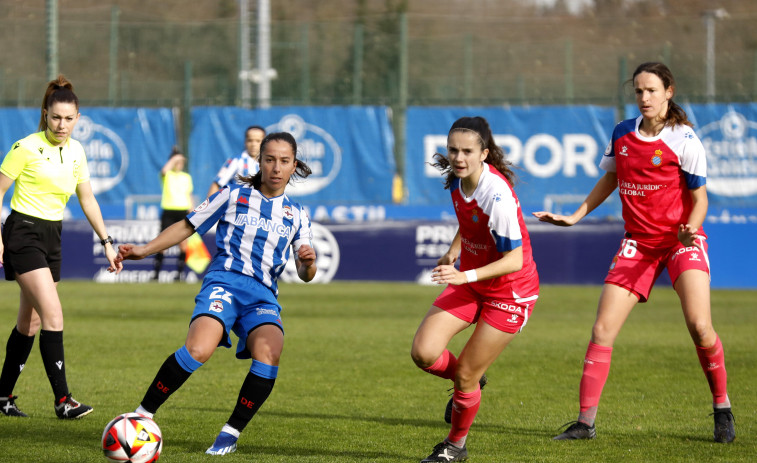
(119, 60)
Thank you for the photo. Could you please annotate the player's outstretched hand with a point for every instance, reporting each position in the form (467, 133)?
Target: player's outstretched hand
(555, 219)
(129, 252)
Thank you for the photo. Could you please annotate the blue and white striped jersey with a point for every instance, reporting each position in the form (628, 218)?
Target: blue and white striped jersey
(254, 233)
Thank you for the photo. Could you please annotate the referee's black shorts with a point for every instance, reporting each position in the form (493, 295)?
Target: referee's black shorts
(170, 217)
(31, 243)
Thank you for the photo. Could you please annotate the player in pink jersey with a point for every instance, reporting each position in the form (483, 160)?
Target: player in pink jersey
(496, 286)
(658, 165)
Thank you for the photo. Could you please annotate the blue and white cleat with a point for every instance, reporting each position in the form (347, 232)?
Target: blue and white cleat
(225, 443)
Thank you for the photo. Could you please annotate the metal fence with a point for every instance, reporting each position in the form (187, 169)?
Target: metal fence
(394, 59)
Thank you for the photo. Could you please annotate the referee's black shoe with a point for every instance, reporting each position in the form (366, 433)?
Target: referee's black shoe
(8, 407)
(448, 410)
(69, 409)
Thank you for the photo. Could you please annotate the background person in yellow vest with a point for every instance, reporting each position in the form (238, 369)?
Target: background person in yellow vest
(47, 168)
(176, 203)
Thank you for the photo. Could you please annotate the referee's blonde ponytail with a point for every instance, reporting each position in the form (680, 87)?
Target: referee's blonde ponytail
(59, 90)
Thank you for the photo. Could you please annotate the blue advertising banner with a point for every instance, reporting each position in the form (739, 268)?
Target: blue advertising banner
(348, 252)
(349, 149)
(556, 151)
(125, 147)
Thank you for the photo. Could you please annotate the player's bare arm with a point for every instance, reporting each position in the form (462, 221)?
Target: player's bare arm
(687, 233)
(171, 236)
(305, 262)
(511, 261)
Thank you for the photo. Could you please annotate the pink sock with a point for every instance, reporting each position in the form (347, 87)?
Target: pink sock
(445, 365)
(712, 360)
(596, 370)
(464, 409)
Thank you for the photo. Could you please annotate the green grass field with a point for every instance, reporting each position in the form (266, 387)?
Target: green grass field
(348, 391)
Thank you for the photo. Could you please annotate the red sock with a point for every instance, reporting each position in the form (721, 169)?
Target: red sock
(464, 409)
(445, 365)
(596, 369)
(712, 360)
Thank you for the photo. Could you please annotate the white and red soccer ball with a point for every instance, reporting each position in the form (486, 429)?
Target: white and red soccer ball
(132, 438)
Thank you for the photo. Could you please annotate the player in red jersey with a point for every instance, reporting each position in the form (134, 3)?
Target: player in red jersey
(658, 165)
(496, 286)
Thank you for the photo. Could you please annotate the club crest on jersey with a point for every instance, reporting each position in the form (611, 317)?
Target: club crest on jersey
(657, 158)
(216, 306)
(202, 206)
(474, 218)
(288, 212)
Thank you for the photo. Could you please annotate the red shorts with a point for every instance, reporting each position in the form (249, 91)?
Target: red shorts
(638, 263)
(505, 314)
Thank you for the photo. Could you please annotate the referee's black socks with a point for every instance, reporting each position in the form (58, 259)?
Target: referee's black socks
(51, 348)
(16, 354)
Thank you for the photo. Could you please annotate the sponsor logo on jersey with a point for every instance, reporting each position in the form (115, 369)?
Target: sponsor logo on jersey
(657, 158)
(264, 224)
(216, 306)
(513, 319)
(243, 200)
(624, 151)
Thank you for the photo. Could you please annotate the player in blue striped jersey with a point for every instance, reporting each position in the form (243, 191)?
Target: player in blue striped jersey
(257, 225)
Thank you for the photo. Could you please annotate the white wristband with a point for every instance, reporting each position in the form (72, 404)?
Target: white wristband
(471, 276)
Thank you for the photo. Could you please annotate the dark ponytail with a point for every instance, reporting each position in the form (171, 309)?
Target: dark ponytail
(59, 90)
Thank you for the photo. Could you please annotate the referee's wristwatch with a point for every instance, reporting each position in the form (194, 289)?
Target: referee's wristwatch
(109, 239)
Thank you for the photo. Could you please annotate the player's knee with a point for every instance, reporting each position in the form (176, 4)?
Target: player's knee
(702, 333)
(422, 358)
(465, 378)
(200, 353)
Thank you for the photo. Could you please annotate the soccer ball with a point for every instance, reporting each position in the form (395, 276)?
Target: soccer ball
(133, 438)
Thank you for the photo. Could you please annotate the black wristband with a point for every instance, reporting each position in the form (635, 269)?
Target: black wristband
(109, 239)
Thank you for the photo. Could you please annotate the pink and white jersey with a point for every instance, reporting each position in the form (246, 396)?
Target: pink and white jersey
(491, 222)
(655, 175)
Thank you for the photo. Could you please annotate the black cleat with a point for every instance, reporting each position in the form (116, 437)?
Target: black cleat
(577, 430)
(448, 411)
(8, 407)
(68, 408)
(446, 452)
(724, 420)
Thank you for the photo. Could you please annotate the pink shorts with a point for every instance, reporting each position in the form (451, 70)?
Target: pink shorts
(637, 264)
(505, 314)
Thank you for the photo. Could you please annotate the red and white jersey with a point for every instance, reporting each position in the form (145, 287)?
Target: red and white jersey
(491, 222)
(655, 175)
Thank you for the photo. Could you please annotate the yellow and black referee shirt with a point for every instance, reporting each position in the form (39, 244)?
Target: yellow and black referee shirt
(45, 175)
